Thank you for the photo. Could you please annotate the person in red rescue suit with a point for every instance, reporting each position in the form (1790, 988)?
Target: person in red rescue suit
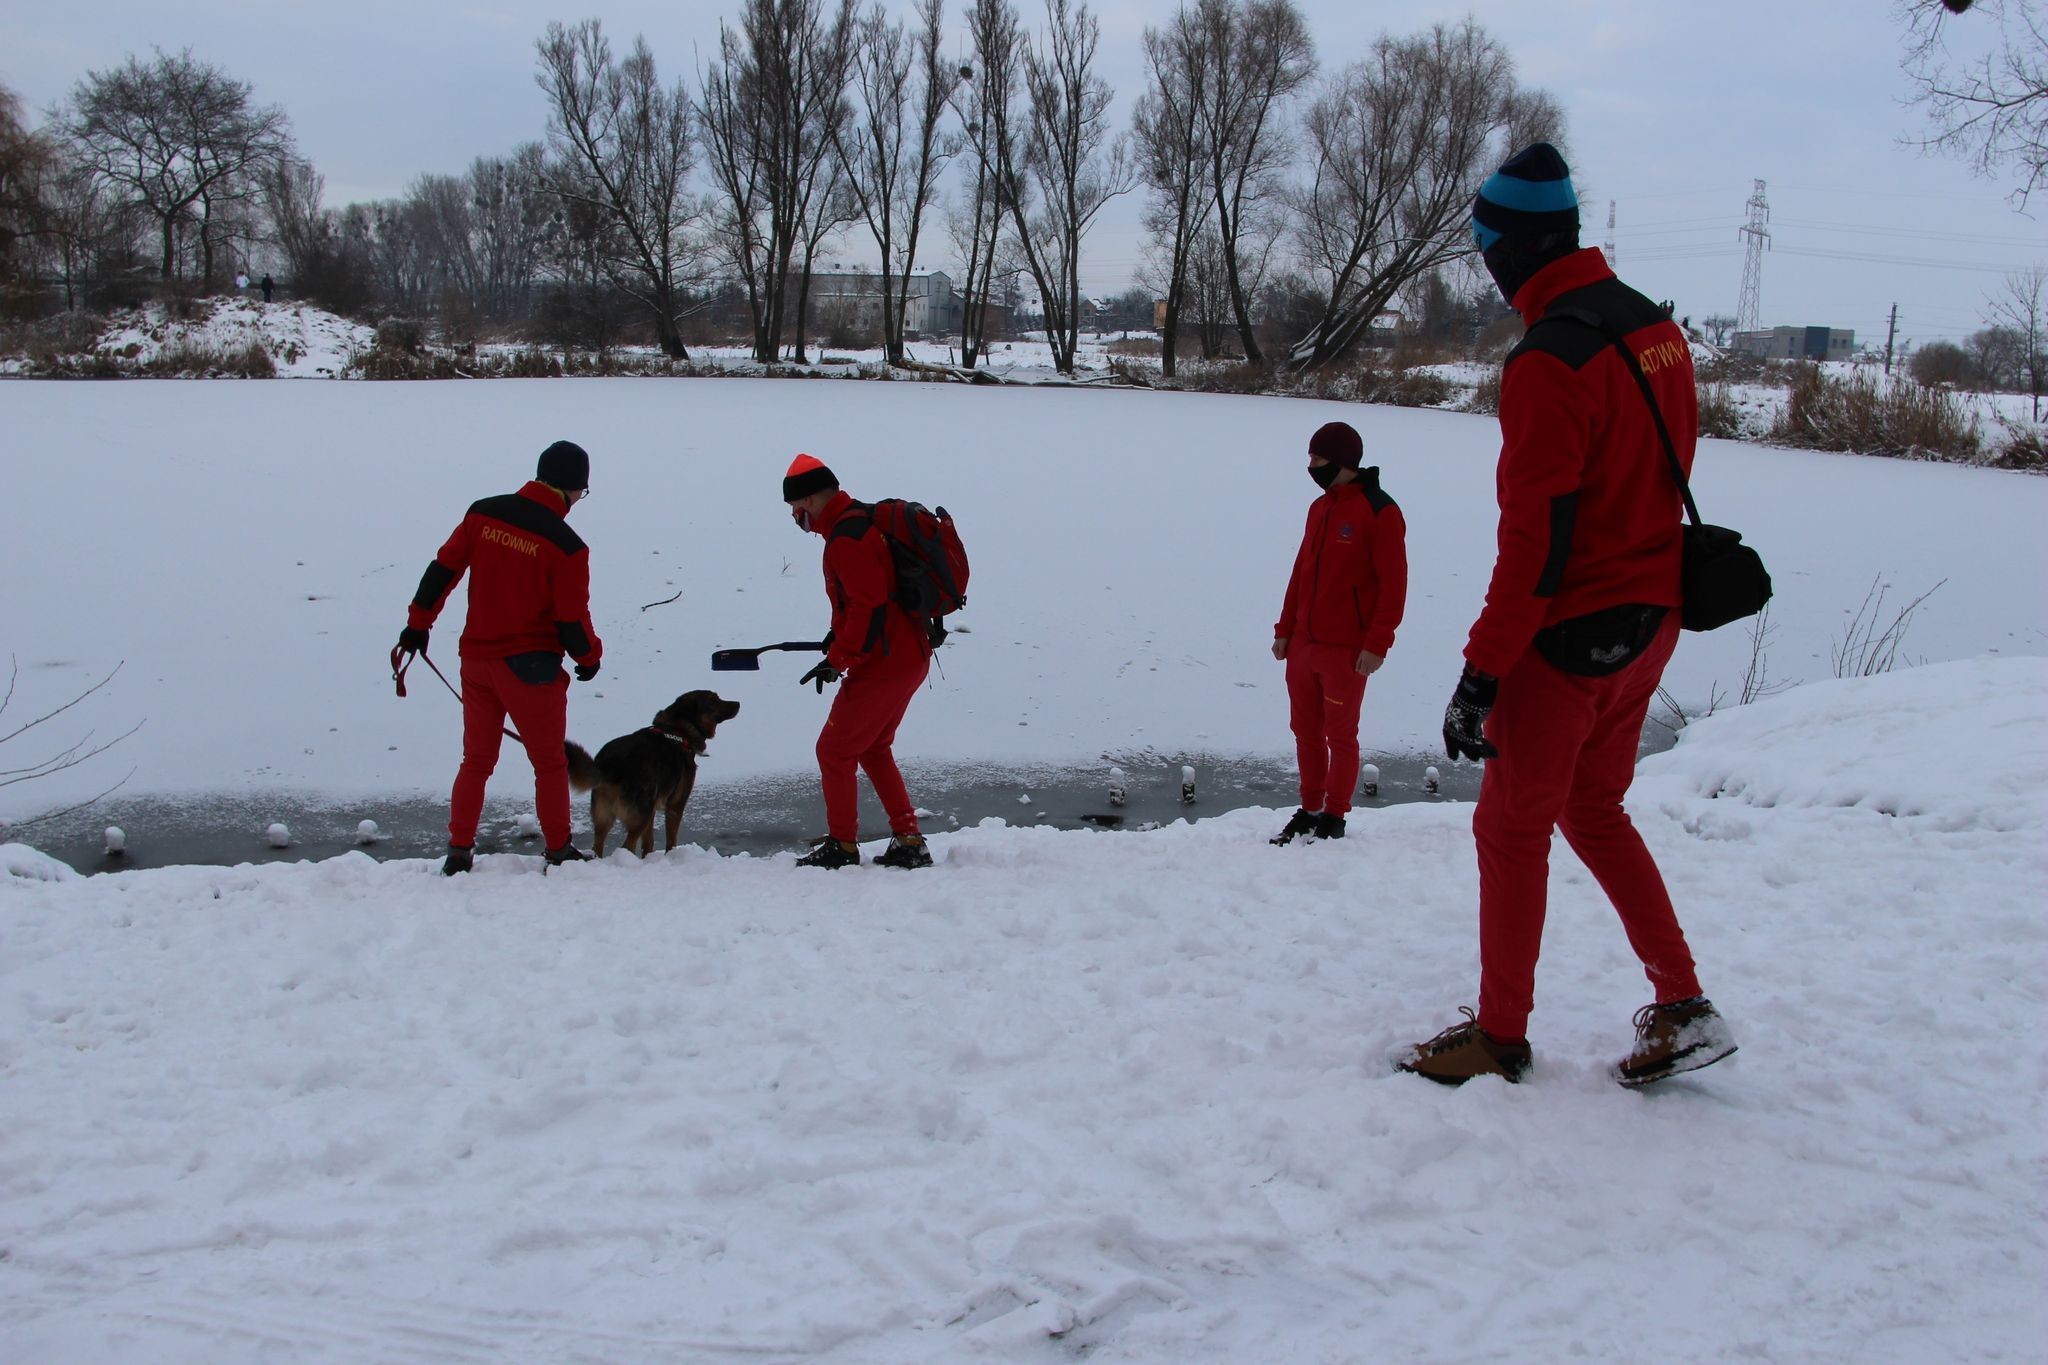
(1344, 601)
(529, 604)
(1578, 625)
(879, 655)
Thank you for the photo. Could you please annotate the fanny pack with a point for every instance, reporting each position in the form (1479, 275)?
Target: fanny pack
(1600, 642)
(537, 667)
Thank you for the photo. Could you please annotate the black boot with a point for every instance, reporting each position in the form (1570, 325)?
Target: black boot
(829, 852)
(567, 853)
(1300, 823)
(1329, 826)
(459, 859)
(905, 851)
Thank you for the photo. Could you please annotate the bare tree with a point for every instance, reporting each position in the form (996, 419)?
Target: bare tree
(623, 145)
(1991, 105)
(1075, 164)
(892, 148)
(2021, 309)
(1995, 356)
(1173, 159)
(1260, 55)
(1718, 327)
(25, 164)
(1208, 303)
(1401, 141)
(772, 107)
(985, 102)
(180, 140)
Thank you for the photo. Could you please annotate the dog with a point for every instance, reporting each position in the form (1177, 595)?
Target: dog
(653, 767)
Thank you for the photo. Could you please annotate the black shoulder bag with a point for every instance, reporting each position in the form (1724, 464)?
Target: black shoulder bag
(1720, 578)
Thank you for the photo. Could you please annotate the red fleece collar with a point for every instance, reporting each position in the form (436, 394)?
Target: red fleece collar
(829, 515)
(1587, 265)
(546, 496)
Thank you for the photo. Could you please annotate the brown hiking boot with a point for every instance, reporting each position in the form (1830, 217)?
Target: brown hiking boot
(1684, 1035)
(1465, 1050)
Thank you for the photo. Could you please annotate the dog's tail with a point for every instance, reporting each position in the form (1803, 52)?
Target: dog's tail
(582, 767)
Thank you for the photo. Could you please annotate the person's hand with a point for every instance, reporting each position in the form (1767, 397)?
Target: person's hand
(585, 672)
(822, 674)
(1369, 662)
(1279, 646)
(1465, 717)
(413, 639)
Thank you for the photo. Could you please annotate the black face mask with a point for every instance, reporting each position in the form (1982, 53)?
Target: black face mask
(1325, 474)
(1514, 261)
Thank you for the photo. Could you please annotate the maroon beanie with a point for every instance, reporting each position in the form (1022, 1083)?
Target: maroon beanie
(1337, 443)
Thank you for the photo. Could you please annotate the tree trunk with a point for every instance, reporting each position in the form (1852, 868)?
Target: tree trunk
(1239, 309)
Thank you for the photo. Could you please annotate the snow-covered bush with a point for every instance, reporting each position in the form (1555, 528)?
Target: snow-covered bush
(1861, 414)
(2021, 445)
(1719, 415)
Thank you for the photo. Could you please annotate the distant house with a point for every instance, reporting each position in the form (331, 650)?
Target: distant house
(932, 307)
(1798, 343)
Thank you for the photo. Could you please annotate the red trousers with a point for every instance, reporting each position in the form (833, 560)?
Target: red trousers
(540, 713)
(1324, 693)
(1567, 756)
(859, 734)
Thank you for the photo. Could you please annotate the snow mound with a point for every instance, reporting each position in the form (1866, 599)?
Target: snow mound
(1959, 746)
(303, 342)
(19, 862)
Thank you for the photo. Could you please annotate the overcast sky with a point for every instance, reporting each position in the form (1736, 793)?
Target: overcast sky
(1672, 110)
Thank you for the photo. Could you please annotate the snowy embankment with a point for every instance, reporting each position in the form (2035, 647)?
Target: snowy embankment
(298, 340)
(1124, 1096)
(249, 549)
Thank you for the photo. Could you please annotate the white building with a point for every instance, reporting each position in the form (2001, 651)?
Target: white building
(931, 308)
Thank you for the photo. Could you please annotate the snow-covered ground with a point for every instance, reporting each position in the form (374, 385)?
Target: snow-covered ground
(249, 549)
(1068, 1095)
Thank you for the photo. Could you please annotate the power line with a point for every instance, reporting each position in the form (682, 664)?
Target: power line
(1873, 258)
(1927, 235)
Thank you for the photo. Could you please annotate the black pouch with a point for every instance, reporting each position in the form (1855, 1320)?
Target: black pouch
(1721, 579)
(539, 667)
(1600, 642)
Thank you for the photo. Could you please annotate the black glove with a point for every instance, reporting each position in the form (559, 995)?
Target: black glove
(1465, 717)
(585, 672)
(822, 674)
(414, 639)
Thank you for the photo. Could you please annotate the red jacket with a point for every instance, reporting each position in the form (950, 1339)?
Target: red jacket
(1350, 580)
(1589, 512)
(868, 626)
(529, 579)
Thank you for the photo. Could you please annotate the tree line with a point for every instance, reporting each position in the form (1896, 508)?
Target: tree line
(1288, 202)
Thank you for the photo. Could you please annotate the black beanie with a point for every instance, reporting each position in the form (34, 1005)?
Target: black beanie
(564, 465)
(807, 475)
(1338, 443)
(1530, 196)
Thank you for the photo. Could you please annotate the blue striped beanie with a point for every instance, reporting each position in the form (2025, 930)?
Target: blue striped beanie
(1529, 196)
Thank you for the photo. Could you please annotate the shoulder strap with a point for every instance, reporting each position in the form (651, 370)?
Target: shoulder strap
(1614, 337)
(855, 522)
